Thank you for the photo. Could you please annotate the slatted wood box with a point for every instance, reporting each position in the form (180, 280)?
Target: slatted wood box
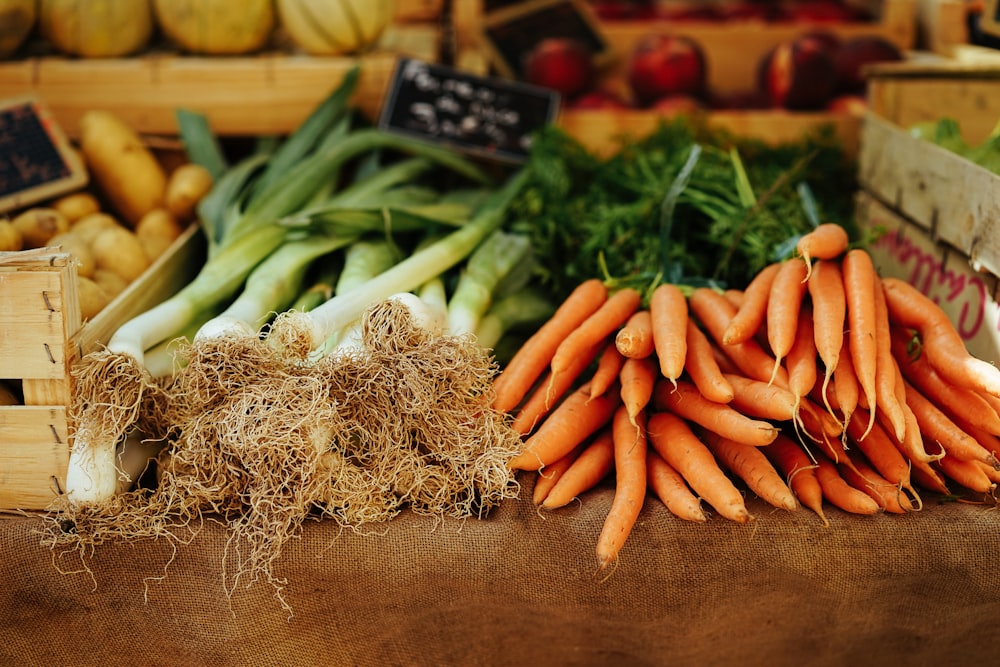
(42, 336)
(939, 221)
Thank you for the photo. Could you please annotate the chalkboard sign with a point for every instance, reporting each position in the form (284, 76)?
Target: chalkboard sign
(485, 116)
(510, 33)
(36, 160)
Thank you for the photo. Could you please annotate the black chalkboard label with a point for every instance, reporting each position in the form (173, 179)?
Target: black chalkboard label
(36, 160)
(510, 33)
(485, 116)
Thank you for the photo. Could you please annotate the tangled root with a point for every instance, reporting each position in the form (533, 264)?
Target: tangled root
(264, 442)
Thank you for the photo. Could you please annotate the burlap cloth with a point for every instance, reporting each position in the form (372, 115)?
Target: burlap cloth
(516, 589)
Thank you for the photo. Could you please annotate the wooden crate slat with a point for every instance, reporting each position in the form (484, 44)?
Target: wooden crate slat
(34, 453)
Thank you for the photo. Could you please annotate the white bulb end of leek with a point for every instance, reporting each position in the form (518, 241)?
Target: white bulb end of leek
(224, 326)
(91, 475)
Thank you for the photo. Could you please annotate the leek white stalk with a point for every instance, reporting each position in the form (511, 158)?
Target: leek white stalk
(485, 269)
(271, 287)
(300, 330)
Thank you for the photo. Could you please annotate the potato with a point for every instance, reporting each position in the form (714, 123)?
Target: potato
(109, 281)
(118, 249)
(121, 165)
(10, 237)
(89, 226)
(77, 246)
(157, 230)
(92, 298)
(38, 224)
(77, 205)
(186, 186)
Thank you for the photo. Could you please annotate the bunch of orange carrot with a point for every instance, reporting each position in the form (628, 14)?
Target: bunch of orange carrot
(820, 382)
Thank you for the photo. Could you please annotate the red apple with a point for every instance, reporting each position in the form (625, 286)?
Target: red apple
(598, 99)
(663, 65)
(800, 74)
(562, 64)
(855, 53)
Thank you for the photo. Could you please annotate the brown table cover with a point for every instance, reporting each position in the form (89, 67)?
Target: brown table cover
(516, 589)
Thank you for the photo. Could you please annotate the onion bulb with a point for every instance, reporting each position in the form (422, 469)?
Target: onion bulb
(17, 19)
(334, 27)
(216, 27)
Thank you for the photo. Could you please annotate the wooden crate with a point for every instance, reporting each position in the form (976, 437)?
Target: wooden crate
(262, 94)
(940, 191)
(733, 49)
(912, 92)
(914, 253)
(42, 337)
(941, 25)
(603, 130)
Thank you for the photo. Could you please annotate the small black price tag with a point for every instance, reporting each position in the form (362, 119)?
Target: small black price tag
(510, 32)
(36, 159)
(485, 116)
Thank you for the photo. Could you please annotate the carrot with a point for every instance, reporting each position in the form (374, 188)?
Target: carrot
(593, 463)
(841, 494)
(702, 367)
(609, 365)
(606, 320)
(668, 309)
(879, 449)
(635, 338)
(686, 401)
(714, 313)
(753, 467)
(863, 477)
(988, 440)
(546, 394)
(784, 302)
(547, 478)
(829, 308)
(859, 289)
(912, 445)
(826, 241)
(969, 474)
(937, 426)
(799, 471)
(887, 395)
(630, 486)
(992, 473)
(959, 402)
(535, 354)
(845, 384)
(801, 359)
(674, 440)
(669, 486)
(929, 478)
(734, 296)
(749, 315)
(570, 423)
(638, 376)
(940, 340)
(759, 399)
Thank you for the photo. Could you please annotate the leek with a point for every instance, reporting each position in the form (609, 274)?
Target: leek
(499, 254)
(302, 333)
(524, 307)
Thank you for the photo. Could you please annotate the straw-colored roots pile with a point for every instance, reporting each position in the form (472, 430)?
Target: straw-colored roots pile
(263, 441)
